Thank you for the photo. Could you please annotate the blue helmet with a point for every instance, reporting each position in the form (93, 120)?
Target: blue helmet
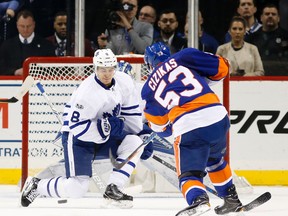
(156, 53)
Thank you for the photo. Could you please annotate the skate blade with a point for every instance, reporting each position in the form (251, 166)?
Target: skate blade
(109, 203)
(241, 213)
(199, 210)
(28, 179)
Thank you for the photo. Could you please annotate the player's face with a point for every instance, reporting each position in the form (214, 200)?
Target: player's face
(105, 74)
(25, 26)
(60, 26)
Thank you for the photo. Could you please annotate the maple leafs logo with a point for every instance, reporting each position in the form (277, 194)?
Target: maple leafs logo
(115, 112)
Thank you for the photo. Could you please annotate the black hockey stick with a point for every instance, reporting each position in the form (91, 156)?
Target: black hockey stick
(260, 200)
(25, 87)
(118, 164)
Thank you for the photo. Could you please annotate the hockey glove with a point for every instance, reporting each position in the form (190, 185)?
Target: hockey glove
(148, 150)
(125, 67)
(111, 126)
(166, 132)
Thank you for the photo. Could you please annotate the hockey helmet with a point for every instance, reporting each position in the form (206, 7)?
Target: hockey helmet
(104, 58)
(156, 53)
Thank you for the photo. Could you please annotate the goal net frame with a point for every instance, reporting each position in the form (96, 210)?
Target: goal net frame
(54, 61)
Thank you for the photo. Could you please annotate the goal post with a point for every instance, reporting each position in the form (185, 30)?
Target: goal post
(60, 76)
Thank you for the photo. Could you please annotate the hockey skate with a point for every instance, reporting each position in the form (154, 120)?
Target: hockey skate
(29, 192)
(199, 206)
(114, 198)
(231, 203)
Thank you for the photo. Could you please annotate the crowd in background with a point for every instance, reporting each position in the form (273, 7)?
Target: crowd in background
(252, 34)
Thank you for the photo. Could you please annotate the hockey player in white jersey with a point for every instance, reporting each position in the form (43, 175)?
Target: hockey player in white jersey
(102, 113)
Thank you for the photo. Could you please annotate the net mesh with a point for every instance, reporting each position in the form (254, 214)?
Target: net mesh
(59, 81)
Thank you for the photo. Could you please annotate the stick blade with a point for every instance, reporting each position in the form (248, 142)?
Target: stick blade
(116, 164)
(26, 86)
(10, 100)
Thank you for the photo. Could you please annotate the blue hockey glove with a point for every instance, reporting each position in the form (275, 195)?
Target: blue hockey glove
(148, 151)
(111, 126)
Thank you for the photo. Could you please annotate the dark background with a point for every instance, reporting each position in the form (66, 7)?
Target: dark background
(216, 14)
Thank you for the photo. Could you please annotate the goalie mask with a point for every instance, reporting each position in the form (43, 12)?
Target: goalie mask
(104, 58)
(156, 53)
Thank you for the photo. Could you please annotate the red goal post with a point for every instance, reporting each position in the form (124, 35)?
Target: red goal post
(60, 76)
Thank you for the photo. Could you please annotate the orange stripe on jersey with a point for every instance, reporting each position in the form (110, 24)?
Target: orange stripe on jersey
(177, 154)
(190, 184)
(204, 100)
(221, 175)
(223, 69)
(159, 120)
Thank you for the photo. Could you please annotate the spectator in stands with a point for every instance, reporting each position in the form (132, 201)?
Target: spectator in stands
(59, 39)
(14, 51)
(272, 42)
(8, 11)
(244, 57)
(207, 43)
(168, 25)
(127, 35)
(247, 9)
(283, 6)
(148, 14)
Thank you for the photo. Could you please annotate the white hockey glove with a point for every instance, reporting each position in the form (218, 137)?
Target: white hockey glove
(125, 67)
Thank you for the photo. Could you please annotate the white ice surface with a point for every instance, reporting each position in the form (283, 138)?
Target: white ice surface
(144, 204)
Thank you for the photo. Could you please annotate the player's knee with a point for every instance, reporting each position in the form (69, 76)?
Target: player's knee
(77, 186)
(128, 145)
(194, 173)
(215, 164)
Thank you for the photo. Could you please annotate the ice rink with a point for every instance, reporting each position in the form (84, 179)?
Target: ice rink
(148, 204)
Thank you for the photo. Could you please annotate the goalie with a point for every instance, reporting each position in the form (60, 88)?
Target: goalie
(102, 113)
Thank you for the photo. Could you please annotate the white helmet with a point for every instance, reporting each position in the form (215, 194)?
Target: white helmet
(104, 58)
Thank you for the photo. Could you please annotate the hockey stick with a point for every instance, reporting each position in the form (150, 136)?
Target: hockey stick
(260, 200)
(118, 165)
(170, 166)
(25, 87)
(42, 90)
(95, 176)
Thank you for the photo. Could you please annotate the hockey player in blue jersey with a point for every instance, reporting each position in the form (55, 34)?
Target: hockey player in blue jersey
(102, 113)
(179, 100)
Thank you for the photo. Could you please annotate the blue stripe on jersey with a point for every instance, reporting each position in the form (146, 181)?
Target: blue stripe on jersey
(131, 114)
(55, 186)
(48, 187)
(84, 131)
(121, 171)
(65, 114)
(79, 123)
(130, 163)
(66, 123)
(129, 108)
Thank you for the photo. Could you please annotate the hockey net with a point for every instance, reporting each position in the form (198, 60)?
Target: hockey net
(60, 76)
